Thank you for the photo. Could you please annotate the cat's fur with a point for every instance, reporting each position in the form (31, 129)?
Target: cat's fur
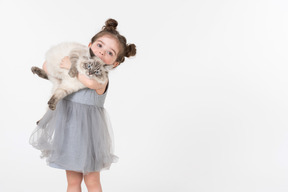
(65, 81)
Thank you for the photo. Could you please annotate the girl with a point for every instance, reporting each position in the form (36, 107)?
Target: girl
(76, 136)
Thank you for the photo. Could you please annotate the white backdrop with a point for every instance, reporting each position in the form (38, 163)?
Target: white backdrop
(202, 107)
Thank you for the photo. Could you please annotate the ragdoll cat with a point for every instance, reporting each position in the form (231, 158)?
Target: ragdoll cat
(65, 81)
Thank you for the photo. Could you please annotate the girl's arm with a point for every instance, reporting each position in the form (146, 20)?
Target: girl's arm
(44, 67)
(90, 83)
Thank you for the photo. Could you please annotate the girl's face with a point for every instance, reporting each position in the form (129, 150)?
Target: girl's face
(107, 49)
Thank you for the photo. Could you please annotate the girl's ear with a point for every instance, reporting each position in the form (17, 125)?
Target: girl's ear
(115, 64)
(89, 44)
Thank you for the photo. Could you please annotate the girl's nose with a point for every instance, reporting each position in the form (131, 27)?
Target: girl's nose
(100, 55)
(101, 52)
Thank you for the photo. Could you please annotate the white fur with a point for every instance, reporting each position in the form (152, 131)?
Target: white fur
(53, 59)
(63, 83)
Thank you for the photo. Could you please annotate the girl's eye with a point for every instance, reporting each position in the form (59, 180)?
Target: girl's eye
(99, 45)
(110, 53)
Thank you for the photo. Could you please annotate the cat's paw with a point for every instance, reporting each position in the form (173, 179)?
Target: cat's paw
(52, 106)
(35, 70)
(40, 72)
(73, 72)
(52, 103)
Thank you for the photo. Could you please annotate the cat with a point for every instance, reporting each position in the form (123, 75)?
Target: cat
(65, 81)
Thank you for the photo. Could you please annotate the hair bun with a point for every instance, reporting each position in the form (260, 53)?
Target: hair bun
(130, 50)
(110, 25)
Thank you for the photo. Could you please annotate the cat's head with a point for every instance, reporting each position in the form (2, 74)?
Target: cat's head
(96, 69)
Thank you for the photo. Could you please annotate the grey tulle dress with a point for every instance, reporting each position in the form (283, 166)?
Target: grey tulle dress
(77, 135)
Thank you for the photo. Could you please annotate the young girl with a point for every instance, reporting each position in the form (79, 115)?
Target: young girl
(76, 136)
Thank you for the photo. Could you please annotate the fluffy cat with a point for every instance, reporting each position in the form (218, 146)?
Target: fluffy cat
(65, 81)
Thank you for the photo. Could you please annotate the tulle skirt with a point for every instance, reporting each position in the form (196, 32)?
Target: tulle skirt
(75, 137)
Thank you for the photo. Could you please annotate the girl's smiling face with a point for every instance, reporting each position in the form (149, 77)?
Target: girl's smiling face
(107, 49)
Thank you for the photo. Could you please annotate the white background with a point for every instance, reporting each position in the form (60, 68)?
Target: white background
(202, 107)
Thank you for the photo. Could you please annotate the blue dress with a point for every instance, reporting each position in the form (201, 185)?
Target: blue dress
(77, 135)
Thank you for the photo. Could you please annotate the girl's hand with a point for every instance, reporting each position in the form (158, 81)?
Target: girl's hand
(65, 63)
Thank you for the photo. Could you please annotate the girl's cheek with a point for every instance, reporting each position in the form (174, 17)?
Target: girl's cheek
(105, 60)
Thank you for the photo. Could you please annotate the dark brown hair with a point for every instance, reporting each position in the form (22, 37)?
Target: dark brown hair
(126, 50)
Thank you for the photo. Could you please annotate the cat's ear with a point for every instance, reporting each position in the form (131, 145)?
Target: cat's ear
(108, 67)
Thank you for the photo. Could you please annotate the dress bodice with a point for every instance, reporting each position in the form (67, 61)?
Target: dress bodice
(88, 97)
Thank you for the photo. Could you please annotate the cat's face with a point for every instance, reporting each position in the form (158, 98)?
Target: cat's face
(96, 68)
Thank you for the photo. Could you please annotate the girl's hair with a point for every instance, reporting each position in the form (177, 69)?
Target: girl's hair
(126, 50)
